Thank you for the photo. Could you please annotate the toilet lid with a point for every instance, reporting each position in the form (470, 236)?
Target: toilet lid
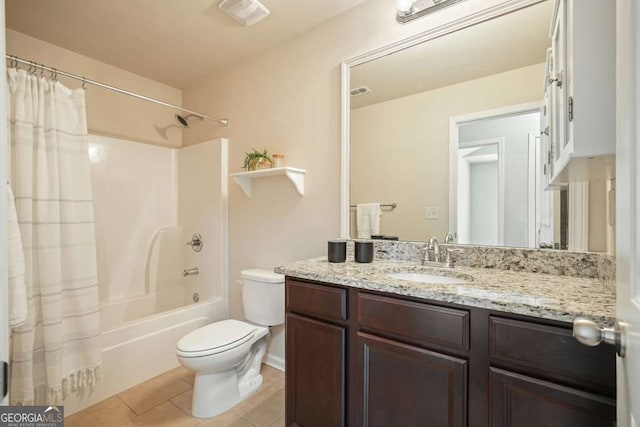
(218, 336)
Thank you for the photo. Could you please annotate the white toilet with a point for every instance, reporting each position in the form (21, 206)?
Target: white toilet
(226, 356)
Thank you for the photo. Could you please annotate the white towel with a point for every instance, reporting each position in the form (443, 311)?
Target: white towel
(17, 287)
(368, 219)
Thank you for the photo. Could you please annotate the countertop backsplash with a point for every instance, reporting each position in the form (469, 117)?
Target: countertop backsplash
(559, 263)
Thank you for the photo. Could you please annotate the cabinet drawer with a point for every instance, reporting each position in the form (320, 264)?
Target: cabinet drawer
(317, 300)
(551, 352)
(414, 321)
(521, 401)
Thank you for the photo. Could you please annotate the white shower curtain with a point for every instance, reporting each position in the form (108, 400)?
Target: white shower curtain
(58, 348)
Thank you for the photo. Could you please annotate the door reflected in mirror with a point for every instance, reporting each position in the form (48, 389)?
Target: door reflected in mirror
(480, 210)
(498, 189)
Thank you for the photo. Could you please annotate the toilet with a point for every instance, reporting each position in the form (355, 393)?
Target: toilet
(226, 356)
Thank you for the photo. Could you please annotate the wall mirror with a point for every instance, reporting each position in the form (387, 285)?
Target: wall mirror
(444, 131)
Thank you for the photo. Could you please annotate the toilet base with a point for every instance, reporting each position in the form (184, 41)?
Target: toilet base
(216, 393)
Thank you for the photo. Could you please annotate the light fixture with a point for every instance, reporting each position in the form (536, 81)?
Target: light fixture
(405, 7)
(408, 10)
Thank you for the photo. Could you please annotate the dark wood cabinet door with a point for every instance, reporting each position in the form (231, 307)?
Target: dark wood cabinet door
(521, 401)
(315, 373)
(403, 385)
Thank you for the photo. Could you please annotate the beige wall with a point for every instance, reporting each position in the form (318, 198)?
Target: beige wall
(400, 148)
(288, 100)
(108, 113)
(602, 231)
(598, 216)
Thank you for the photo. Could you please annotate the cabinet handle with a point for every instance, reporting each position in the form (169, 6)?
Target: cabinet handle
(557, 80)
(570, 110)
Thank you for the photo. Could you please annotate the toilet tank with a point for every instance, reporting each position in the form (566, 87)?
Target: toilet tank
(263, 296)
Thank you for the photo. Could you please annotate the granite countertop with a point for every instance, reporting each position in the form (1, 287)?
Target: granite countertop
(538, 295)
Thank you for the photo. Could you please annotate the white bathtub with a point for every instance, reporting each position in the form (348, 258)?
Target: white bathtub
(141, 349)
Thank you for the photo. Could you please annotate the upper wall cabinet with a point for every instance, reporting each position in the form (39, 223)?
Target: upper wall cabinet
(580, 90)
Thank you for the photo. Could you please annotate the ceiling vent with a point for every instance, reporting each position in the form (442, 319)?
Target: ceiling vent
(247, 12)
(362, 90)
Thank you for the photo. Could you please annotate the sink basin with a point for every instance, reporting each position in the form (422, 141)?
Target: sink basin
(427, 278)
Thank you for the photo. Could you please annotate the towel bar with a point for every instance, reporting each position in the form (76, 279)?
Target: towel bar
(386, 205)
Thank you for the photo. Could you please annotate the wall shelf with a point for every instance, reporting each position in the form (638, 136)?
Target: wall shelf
(245, 179)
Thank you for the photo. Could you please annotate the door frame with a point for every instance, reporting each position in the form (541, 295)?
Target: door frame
(501, 172)
(627, 206)
(533, 184)
(4, 291)
(455, 121)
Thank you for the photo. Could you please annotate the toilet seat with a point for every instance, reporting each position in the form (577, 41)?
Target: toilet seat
(215, 338)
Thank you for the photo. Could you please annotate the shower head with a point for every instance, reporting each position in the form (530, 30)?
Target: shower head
(184, 120)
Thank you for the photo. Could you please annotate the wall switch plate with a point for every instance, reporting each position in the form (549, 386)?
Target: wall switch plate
(432, 212)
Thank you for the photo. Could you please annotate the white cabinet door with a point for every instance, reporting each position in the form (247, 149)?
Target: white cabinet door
(582, 87)
(556, 83)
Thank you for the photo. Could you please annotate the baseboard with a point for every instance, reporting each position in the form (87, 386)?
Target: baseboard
(274, 361)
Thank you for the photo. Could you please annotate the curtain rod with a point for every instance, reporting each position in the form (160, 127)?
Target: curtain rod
(55, 72)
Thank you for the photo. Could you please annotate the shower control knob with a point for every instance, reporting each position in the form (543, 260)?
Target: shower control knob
(196, 242)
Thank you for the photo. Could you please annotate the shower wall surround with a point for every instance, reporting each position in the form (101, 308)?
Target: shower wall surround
(149, 201)
(202, 208)
(135, 194)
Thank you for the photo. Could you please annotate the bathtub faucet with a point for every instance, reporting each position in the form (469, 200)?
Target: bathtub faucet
(190, 271)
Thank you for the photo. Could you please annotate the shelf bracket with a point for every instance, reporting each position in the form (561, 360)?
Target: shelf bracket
(245, 179)
(297, 179)
(245, 183)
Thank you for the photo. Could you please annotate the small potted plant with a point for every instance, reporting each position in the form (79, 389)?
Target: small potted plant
(256, 160)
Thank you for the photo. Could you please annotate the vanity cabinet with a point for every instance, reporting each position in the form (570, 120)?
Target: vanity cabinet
(363, 358)
(581, 88)
(539, 372)
(316, 349)
(404, 385)
(316, 353)
(404, 375)
(521, 401)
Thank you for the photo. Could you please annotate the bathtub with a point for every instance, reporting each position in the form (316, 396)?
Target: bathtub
(141, 349)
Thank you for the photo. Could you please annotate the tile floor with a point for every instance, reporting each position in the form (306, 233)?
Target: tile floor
(166, 401)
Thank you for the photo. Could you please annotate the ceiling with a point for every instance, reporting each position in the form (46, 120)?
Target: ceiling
(171, 41)
(506, 43)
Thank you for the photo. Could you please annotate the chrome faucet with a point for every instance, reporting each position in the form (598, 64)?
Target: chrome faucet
(436, 261)
(452, 257)
(449, 238)
(435, 247)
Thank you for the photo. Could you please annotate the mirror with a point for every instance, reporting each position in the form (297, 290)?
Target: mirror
(445, 134)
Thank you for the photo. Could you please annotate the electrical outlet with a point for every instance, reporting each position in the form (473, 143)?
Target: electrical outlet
(432, 212)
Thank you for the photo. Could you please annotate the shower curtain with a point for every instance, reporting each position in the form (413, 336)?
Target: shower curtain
(57, 349)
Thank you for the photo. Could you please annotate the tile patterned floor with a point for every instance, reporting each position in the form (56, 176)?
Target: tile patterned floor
(166, 401)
